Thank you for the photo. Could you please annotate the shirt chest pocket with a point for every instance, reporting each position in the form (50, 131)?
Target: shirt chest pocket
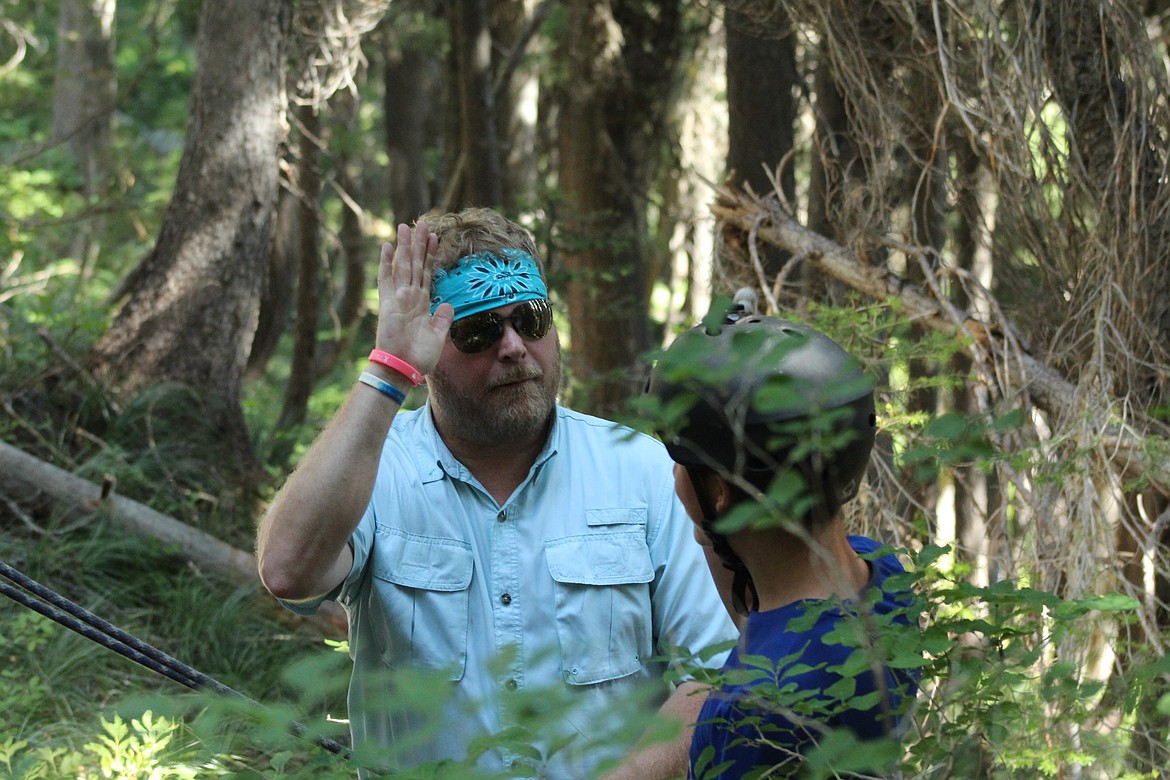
(422, 584)
(602, 584)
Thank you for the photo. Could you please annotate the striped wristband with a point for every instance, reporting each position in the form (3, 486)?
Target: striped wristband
(383, 387)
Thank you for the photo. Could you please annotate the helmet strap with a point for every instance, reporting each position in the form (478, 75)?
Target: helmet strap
(742, 579)
(741, 583)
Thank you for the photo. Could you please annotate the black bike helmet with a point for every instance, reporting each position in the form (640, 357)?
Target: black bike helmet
(748, 397)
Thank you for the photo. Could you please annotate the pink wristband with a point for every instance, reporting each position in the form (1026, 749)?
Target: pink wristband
(397, 364)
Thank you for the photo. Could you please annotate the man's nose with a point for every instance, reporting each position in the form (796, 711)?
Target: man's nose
(512, 345)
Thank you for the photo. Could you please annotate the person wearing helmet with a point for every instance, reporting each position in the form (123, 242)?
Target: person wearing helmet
(771, 424)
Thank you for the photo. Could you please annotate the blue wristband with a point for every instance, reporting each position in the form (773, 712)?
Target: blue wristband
(383, 387)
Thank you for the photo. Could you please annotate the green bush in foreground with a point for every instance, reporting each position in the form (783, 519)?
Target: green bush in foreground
(996, 700)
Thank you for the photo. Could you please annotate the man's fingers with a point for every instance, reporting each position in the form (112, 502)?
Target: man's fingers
(385, 263)
(407, 265)
(401, 263)
(428, 265)
(418, 252)
(442, 318)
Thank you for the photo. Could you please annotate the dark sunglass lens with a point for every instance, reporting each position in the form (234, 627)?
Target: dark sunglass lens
(532, 319)
(476, 333)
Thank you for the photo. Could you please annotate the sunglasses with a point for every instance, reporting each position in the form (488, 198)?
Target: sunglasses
(477, 332)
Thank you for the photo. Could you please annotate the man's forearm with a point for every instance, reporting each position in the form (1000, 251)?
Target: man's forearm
(303, 536)
(301, 542)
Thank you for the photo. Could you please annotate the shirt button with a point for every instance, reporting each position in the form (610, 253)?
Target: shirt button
(506, 599)
(502, 516)
(511, 685)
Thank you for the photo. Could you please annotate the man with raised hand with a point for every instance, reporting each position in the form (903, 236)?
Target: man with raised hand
(493, 537)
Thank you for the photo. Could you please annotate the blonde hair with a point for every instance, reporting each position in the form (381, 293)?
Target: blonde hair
(475, 230)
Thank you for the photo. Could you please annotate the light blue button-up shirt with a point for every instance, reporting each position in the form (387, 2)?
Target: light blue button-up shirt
(557, 605)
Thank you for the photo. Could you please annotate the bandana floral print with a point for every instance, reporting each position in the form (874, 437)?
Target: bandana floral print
(485, 280)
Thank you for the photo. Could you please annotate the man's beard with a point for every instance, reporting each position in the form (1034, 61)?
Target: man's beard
(501, 414)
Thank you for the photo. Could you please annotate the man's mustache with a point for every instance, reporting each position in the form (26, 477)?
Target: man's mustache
(518, 374)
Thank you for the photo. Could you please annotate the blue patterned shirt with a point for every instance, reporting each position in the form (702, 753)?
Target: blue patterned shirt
(791, 679)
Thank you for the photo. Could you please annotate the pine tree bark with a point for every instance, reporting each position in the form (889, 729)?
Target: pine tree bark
(348, 303)
(761, 107)
(191, 306)
(411, 76)
(83, 107)
(834, 162)
(620, 60)
(514, 89)
(85, 86)
(279, 283)
(977, 497)
(31, 481)
(308, 299)
(476, 179)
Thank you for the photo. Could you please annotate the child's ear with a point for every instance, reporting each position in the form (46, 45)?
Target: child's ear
(722, 495)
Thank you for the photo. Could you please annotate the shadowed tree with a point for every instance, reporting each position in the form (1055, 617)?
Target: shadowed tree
(761, 111)
(619, 63)
(190, 308)
(473, 140)
(83, 105)
(411, 77)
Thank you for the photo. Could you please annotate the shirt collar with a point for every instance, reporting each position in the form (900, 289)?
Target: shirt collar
(434, 460)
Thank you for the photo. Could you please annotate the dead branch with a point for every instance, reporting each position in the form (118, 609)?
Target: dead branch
(1042, 385)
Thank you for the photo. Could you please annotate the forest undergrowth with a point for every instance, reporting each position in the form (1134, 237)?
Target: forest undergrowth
(994, 680)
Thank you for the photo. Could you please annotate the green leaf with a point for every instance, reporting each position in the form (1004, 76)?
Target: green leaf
(840, 751)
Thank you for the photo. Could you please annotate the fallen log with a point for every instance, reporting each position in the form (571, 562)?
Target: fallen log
(23, 476)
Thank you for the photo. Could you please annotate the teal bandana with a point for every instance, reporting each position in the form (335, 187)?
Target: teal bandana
(486, 280)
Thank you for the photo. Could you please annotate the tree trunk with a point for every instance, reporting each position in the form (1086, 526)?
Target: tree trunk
(308, 308)
(83, 94)
(83, 107)
(977, 496)
(834, 161)
(515, 97)
(348, 300)
(620, 62)
(279, 282)
(923, 185)
(411, 77)
(26, 479)
(476, 178)
(761, 83)
(761, 79)
(192, 304)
